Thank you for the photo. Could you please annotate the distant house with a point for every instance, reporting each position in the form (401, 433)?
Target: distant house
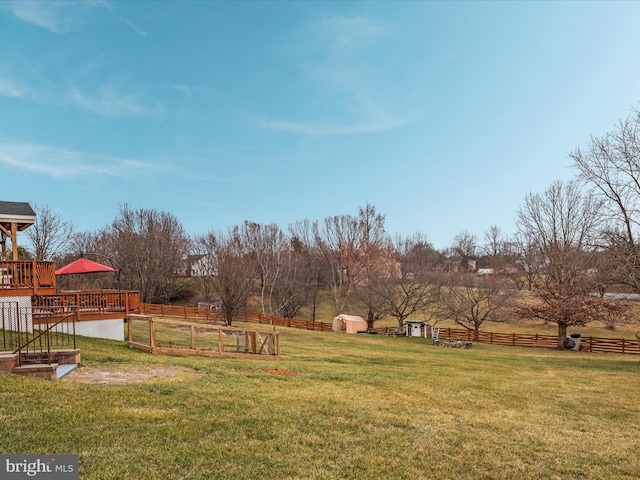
(485, 271)
(198, 266)
(459, 265)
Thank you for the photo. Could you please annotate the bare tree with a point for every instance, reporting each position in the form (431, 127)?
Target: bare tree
(561, 224)
(611, 165)
(151, 247)
(575, 305)
(314, 270)
(266, 243)
(293, 291)
(470, 301)
(417, 288)
(231, 270)
(530, 260)
(465, 246)
(334, 238)
(82, 242)
(494, 242)
(49, 235)
(371, 262)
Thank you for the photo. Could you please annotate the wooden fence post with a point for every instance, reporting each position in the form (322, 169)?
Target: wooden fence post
(152, 334)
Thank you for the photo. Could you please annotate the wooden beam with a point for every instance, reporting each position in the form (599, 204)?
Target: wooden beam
(14, 240)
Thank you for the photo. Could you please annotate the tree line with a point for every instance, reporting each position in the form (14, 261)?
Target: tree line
(573, 242)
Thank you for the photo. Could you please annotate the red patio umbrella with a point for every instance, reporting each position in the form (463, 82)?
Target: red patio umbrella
(82, 265)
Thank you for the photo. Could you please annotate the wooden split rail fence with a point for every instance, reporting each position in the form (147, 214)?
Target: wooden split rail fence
(590, 344)
(175, 337)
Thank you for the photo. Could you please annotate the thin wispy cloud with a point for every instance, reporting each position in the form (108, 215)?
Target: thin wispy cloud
(333, 129)
(55, 16)
(65, 164)
(124, 20)
(110, 102)
(59, 16)
(10, 89)
(343, 75)
(344, 35)
(133, 26)
(187, 90)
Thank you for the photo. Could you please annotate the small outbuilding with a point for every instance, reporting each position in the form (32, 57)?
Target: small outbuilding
(349, 324)
(417, 328)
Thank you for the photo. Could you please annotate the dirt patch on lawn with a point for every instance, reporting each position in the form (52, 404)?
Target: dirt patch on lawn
(278, 371)
(92, 375)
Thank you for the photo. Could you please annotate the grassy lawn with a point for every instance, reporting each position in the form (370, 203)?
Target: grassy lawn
(339, 406)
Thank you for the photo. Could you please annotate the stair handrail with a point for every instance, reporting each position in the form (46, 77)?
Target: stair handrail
(47, 332)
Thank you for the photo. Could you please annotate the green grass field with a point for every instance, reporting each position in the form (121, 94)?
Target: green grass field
(338, 407)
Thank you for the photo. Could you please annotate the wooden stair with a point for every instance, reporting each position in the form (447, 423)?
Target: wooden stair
(40, 365)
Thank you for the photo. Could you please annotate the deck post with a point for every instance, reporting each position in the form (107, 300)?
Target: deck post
(14, 241)
(34, 277)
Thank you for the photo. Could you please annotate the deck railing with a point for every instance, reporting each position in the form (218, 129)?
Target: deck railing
(90, 302)
(27, 274)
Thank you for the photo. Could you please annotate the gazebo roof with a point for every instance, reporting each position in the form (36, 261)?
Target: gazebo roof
(20, 213)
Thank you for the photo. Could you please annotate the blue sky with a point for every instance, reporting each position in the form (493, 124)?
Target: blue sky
(443, 115)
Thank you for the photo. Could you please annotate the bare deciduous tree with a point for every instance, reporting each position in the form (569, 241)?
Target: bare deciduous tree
(314, 270)
(231, 270)
(470, 301)
(151, 247)
(333, 238)
(611, 165)
(494, 242)
(292, 292)
(356, 249)
(465, 246)
(417, 288)
(266, 243)
(372, 262)
(561, 223)
(530, 260)
(574, 306)
(49, 235)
